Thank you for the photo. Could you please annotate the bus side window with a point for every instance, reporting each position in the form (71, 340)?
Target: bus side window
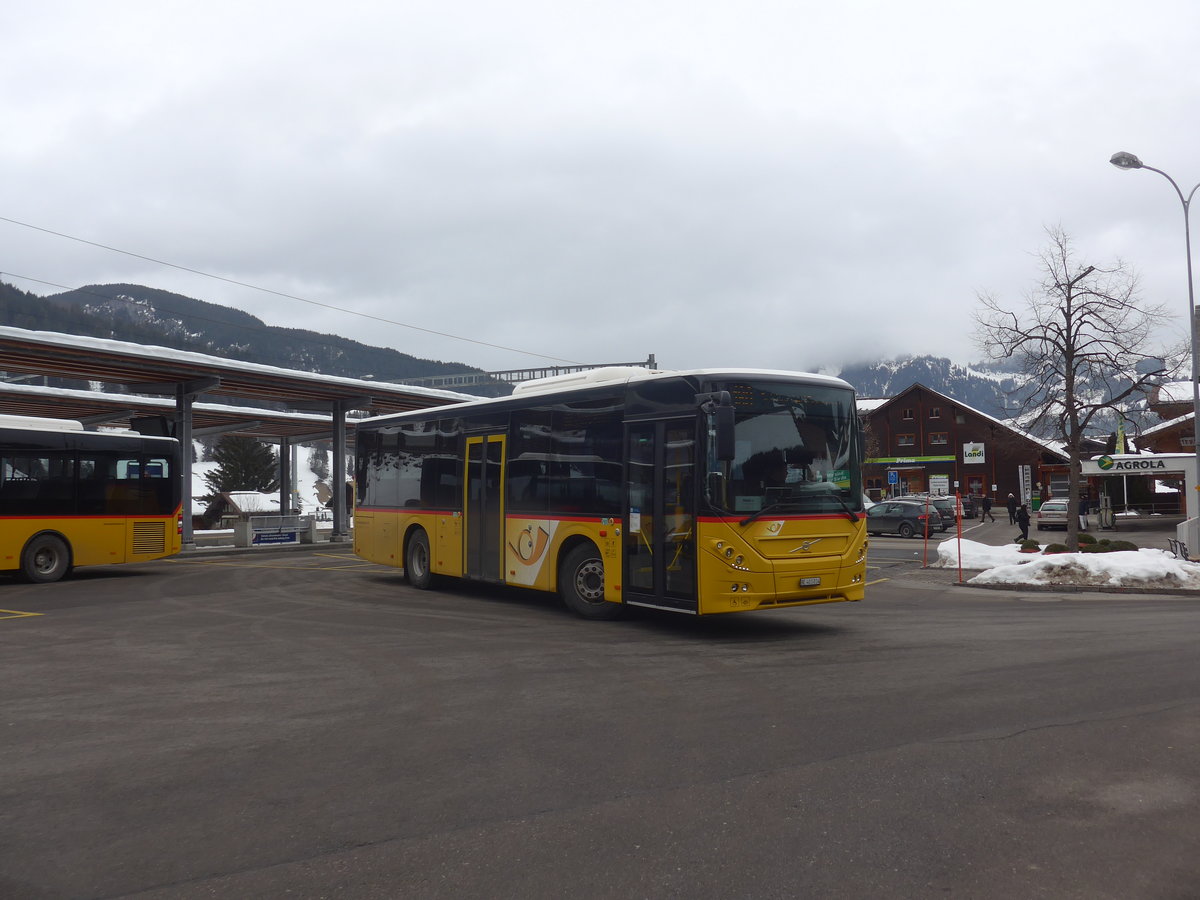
(93, 484)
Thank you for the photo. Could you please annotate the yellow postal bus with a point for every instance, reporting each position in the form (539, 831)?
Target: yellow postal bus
(70, 497)
(700, 492)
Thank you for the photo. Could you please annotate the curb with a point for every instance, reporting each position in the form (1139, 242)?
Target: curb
(1071, 588)
(230, 550)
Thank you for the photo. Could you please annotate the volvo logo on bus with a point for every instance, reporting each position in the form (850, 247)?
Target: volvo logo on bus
(807, 545)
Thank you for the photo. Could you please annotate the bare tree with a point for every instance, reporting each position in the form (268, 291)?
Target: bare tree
(1082, 340)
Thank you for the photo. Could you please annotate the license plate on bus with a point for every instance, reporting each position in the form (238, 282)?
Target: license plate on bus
(809, 582)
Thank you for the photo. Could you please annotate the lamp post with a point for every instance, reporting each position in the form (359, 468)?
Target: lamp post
(1123, 160)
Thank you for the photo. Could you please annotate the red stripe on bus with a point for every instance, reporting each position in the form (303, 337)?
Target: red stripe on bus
(771, 517)
(162, 516)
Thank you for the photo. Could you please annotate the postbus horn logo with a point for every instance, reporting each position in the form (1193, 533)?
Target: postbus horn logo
(1105, 462)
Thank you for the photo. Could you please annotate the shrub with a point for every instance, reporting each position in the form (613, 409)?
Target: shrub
(1056, 548)
(1107, 546)
(1030, 544)
(1085, 538)
(1114, 546)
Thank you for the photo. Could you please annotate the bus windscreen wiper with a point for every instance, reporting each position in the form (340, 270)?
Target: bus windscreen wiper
(850, 514)
(755, 516)
(820, 494)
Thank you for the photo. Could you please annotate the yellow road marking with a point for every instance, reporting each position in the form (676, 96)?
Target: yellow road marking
(17, 614)
(876, 581)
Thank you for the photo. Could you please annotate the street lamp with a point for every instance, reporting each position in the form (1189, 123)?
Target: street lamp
(1125, 160)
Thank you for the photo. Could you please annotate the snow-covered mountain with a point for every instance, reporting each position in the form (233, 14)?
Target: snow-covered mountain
(984, 387)
(987, 387)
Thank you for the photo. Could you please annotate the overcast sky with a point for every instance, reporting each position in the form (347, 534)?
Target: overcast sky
(770, 184)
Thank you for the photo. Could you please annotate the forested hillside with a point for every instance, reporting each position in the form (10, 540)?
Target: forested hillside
(145, 315)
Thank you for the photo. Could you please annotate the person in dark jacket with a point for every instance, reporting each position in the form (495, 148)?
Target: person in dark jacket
(1012, 510)
(1023, 523)
(987, 510)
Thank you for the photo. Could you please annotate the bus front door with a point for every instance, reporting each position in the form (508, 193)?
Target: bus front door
(483, 509)
(660, 515)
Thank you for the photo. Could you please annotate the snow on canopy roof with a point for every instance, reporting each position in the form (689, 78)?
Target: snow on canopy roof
(254, 502)
(155, 362)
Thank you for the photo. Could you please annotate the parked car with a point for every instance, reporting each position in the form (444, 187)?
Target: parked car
(903, 517)
(944, 506)
(1052, 514)
(970, 507)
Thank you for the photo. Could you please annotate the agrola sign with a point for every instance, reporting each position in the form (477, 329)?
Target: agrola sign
(1126, 465)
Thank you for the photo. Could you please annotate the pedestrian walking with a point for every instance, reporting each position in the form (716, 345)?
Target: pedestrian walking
(1012, 510)
(987, 510)
(1083, 513)
(1023, 523)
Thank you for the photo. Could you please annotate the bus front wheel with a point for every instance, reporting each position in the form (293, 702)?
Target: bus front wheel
(46, 558)
(581, 584)
(416, 561)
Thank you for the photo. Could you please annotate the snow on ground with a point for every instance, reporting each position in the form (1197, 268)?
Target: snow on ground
(1145, 568)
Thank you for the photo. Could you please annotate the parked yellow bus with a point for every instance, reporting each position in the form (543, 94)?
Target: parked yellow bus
(700, 492)
(70, 497)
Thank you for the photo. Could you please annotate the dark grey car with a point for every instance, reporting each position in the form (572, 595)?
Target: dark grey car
(903, 517)
(944, 506)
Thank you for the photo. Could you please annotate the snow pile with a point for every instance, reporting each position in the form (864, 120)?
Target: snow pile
(1144, 568)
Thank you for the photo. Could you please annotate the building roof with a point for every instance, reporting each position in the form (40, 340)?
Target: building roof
(1055, 448)
(1167, 425)
(870, 404)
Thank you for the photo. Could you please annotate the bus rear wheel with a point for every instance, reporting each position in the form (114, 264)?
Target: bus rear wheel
(416, 561)
(46, 558)
(581, 584)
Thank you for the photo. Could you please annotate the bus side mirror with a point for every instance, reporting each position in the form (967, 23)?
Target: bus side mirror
(723, 420)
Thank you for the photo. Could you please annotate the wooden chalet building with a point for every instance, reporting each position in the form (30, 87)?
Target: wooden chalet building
(935, 443)
(1171, 402)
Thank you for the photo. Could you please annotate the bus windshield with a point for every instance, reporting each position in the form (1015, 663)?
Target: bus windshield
(796, 452)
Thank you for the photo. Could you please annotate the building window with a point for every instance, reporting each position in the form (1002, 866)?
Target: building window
(938, 437)
(935, 412)
(1187, 441)
(907, 415)
(960, 419)
(905, 440)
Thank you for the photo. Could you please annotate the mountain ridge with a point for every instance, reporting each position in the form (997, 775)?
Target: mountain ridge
(146, 315)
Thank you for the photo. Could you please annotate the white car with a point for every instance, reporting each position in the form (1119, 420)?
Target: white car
(1052, 514)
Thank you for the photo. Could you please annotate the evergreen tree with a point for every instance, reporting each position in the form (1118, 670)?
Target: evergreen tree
(243, 464)
(318, 462)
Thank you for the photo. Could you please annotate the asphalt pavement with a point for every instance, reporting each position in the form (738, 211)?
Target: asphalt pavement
(303, 724)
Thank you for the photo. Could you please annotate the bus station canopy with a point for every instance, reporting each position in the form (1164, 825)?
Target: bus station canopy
(266, 401)
(161, 370)
(96, 408)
